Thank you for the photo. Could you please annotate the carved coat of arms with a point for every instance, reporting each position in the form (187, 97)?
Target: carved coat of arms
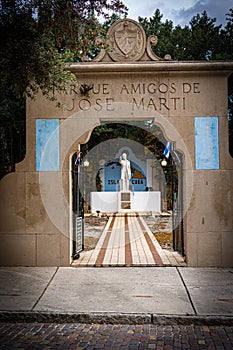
(127, 41)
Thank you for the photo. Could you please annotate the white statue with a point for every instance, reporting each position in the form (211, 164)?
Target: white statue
(125, 172)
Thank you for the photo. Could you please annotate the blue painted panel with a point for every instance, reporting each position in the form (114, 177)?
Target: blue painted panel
(112, 175)
(206, 143)
(47, 145)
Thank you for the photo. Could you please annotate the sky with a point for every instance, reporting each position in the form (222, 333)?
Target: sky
(179, 12)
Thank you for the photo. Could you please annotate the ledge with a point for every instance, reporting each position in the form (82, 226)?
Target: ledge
(158, 66)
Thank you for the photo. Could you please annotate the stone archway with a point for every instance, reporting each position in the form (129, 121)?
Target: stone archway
(186, 99)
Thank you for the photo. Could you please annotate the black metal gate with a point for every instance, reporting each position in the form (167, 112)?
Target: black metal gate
(78, 208)
(177, 205)
(78, 233)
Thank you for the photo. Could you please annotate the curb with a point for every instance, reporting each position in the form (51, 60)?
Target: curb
(112, 318)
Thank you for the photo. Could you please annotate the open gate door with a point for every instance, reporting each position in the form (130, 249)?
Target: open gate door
(177, 205)
(78, 207)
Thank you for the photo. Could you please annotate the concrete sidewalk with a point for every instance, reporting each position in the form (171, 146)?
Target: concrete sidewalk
(117, 295)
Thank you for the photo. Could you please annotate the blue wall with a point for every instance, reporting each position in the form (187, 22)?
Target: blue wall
(47, 145)
(206, 143)
(112, 175)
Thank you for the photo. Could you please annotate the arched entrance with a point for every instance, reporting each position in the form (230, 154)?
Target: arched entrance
(187, 100)
(101, 154)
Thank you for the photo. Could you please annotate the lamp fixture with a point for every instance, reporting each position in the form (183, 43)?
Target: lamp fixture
(164, 162)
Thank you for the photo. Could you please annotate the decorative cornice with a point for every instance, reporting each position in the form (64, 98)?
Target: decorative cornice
(152, 66)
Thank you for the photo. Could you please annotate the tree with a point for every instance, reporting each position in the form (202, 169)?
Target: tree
(154, 25)
(181, 39)
(226, 36)
(38, 38)
(205, 37)
(199, 41)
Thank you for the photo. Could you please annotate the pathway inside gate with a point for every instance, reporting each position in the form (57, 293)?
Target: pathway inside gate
(127, 241)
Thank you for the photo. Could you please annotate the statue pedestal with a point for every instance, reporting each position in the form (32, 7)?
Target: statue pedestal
(110, 202)
(124, 201)
(124, 196)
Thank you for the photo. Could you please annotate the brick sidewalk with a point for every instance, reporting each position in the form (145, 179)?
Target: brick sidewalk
(75, 336)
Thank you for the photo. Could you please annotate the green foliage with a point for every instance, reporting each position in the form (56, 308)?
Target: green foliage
(200, 40)
(181, 37)
(143, 132)
(226, 36)
(153, 24)
(205, 37)
(38, 39)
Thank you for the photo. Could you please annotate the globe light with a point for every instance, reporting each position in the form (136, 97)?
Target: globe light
(86, 163)
(164, 162)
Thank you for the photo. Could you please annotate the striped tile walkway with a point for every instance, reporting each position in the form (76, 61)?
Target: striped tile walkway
(127, 241)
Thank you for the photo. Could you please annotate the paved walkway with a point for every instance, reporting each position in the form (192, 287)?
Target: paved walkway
(139, 295)
(127, 241)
